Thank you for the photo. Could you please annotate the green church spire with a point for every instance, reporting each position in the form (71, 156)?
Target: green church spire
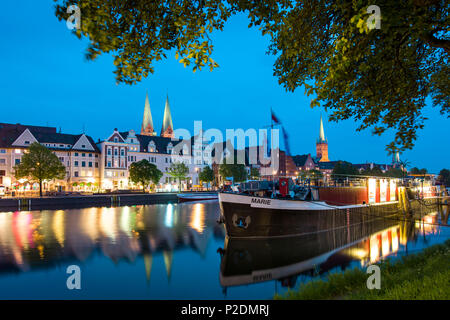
(147, 121)
(322, 132)
(167, 128)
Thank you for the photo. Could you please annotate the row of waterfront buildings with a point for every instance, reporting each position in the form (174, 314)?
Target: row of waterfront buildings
(104, 165)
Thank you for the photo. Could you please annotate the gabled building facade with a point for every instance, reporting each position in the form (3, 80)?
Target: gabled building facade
(123, 148)
(78, 153)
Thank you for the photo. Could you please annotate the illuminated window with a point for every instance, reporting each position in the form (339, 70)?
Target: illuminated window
(17, 151)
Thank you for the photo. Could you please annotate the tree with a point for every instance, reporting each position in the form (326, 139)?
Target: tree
(179, 171)
(39, 164)
(444, 177)
(395, 173)
(313, 174)
(373, 172)
(144, 172)
(342, 170)
(237, 171)
(206, 175)
(377, 75)
(254, 173)
(414, 170)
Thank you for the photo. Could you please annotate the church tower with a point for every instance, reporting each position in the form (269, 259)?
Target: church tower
(167, 128)
(147, 121)
(322, 145)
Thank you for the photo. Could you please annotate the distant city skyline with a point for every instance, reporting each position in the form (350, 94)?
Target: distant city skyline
(47, 81)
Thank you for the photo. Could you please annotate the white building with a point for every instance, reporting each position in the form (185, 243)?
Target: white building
(78, 153)
(121, 149)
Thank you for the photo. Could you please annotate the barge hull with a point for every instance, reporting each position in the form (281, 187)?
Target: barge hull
(246, 219)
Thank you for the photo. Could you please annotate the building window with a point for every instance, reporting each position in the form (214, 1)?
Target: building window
(116, 140)
(76, 164)
(83, 146)
(83, 163)
(76, 154)
(2, 151)
(2, 173)
(75, 173)
(83, 154)
(17, 151)
(2, 161)
(96, 164)
(122, 152)
(90, 164)
(115, 152)
(90, 155)
(27, 142)
(109, 164)
(17, 161)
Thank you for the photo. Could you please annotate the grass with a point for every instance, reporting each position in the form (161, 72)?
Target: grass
(421, 276)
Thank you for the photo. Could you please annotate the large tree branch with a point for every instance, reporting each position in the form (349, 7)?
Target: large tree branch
(436, 42)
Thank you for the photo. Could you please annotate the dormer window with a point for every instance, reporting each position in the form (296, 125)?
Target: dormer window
(185, 150)
(169, 148)
(116, 139)
(151, 146)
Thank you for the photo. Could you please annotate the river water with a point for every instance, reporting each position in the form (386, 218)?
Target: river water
(178, 251)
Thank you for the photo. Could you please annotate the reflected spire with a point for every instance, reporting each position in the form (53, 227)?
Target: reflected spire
(148, 261)
(168, 260)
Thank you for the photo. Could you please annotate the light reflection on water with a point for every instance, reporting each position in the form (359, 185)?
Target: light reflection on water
(171, 252)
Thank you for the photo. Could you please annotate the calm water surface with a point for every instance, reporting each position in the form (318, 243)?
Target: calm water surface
(178, 251)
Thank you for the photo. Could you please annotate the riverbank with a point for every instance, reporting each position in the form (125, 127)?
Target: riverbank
(85, 201)
(424, 275)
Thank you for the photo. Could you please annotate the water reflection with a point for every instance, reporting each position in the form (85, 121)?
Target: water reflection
(171, 252)
(284, 259)
(37, 239)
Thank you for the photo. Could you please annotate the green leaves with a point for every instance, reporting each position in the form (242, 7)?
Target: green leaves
(237, 171)
(143, 172)
(206, 175)
(39, 164)
(377, 77)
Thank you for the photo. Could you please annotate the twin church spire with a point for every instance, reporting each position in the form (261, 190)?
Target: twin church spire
(147, 128)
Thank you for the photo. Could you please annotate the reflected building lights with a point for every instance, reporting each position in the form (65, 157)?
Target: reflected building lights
(168, 220)
(125, 221)
(198, 218)
(58, 226)
(108, 222)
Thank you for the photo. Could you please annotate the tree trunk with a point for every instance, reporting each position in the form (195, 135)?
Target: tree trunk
(40, 188)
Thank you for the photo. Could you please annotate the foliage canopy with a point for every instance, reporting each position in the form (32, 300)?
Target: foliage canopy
(378, 77)
(39, 164)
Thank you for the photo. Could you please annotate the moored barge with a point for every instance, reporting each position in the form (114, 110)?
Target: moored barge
(262, 211)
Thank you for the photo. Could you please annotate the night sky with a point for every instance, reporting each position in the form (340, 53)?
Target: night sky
(47, 81)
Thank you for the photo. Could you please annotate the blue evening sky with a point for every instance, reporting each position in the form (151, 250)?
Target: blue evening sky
(46, 81)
